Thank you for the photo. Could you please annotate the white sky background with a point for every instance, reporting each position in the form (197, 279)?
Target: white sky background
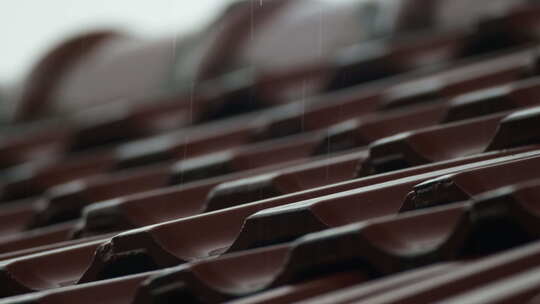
(29, 27)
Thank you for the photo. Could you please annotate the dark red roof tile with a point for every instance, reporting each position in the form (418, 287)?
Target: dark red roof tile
(401, 170)
(379, 247)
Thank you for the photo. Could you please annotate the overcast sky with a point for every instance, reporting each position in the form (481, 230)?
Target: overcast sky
(29, 27)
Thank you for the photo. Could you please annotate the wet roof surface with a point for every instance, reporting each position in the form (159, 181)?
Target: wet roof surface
(399, 182)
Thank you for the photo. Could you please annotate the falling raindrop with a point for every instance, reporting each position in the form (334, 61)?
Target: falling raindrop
(321, 33)
(174, 46)
(184, 156)
(175, 38)
(303, 103)
(191, 97)
(251, 21)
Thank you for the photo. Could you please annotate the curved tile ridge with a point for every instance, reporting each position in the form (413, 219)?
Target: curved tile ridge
(378, 247)
(232, 229)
